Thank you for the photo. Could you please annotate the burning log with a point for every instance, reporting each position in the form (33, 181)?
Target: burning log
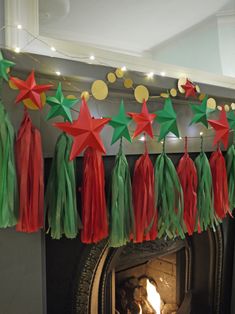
(140, 296)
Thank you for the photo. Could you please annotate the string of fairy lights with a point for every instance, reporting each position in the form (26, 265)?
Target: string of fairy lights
(99, 89)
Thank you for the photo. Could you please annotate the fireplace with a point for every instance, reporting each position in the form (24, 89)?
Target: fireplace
(83, 279)
(170, 265)
(150, 287)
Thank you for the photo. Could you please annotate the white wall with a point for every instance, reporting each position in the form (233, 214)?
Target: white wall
(198, 48)
(226, 33)
(1, 22)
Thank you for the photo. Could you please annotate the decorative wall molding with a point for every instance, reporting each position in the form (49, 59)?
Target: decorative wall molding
(20, 12)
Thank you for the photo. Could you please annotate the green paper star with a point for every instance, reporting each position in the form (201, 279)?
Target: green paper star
(200, 113)
(167, 119)
(120, 125)
(60, 105)
(4, 65)
(231, 119)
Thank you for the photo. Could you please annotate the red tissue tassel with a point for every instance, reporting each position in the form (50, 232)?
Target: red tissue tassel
(143, 200)
(220, 185)
(187, 174)
(29, 163)
(94, 211)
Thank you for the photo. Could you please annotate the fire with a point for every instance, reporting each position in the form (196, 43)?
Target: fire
(153, 297)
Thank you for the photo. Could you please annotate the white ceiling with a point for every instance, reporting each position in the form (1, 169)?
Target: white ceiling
(131, 26)
(194, 38)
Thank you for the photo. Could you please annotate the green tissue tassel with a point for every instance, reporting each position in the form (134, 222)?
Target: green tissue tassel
(8, 180)
(169, 198)
(122, 216)
(230, 165)
(61, 193)
(205, 197)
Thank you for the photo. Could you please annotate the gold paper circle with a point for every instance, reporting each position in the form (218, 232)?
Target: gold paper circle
(12, 85)
(119, 73)
(85, 94)
(197, 88)
(164, 95)
(181, 81)
(30, 105)
(211, 103)
(141, 93)
(219, 108)
(226, 108)
(128, 83)
(173, 92)
(70, 97)
(99, 90)
(111, 77)
(233, 106)
(201, 96)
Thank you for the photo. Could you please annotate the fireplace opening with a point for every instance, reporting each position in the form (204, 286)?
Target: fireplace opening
(137, 275)
(150, 287)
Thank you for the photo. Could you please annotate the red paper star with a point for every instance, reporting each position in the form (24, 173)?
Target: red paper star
(29, 89)
(143, 120)
(190, 89)
(85, 131)
(221, 128)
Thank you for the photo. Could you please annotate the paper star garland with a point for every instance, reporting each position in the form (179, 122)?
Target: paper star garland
(167, 119)
(221, 128)
(4, 66)
(231, 119)
(190, 89)
(30, 90)
(120, 124)
(85, 131)
(200, 113)
(143, 120)
(60, 105)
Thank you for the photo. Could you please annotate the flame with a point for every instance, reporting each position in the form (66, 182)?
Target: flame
(153, 297)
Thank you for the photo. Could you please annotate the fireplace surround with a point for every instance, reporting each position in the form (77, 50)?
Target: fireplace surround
(80, 278)
(93, 291)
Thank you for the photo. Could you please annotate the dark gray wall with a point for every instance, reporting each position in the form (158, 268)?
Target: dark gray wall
(22, 279)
